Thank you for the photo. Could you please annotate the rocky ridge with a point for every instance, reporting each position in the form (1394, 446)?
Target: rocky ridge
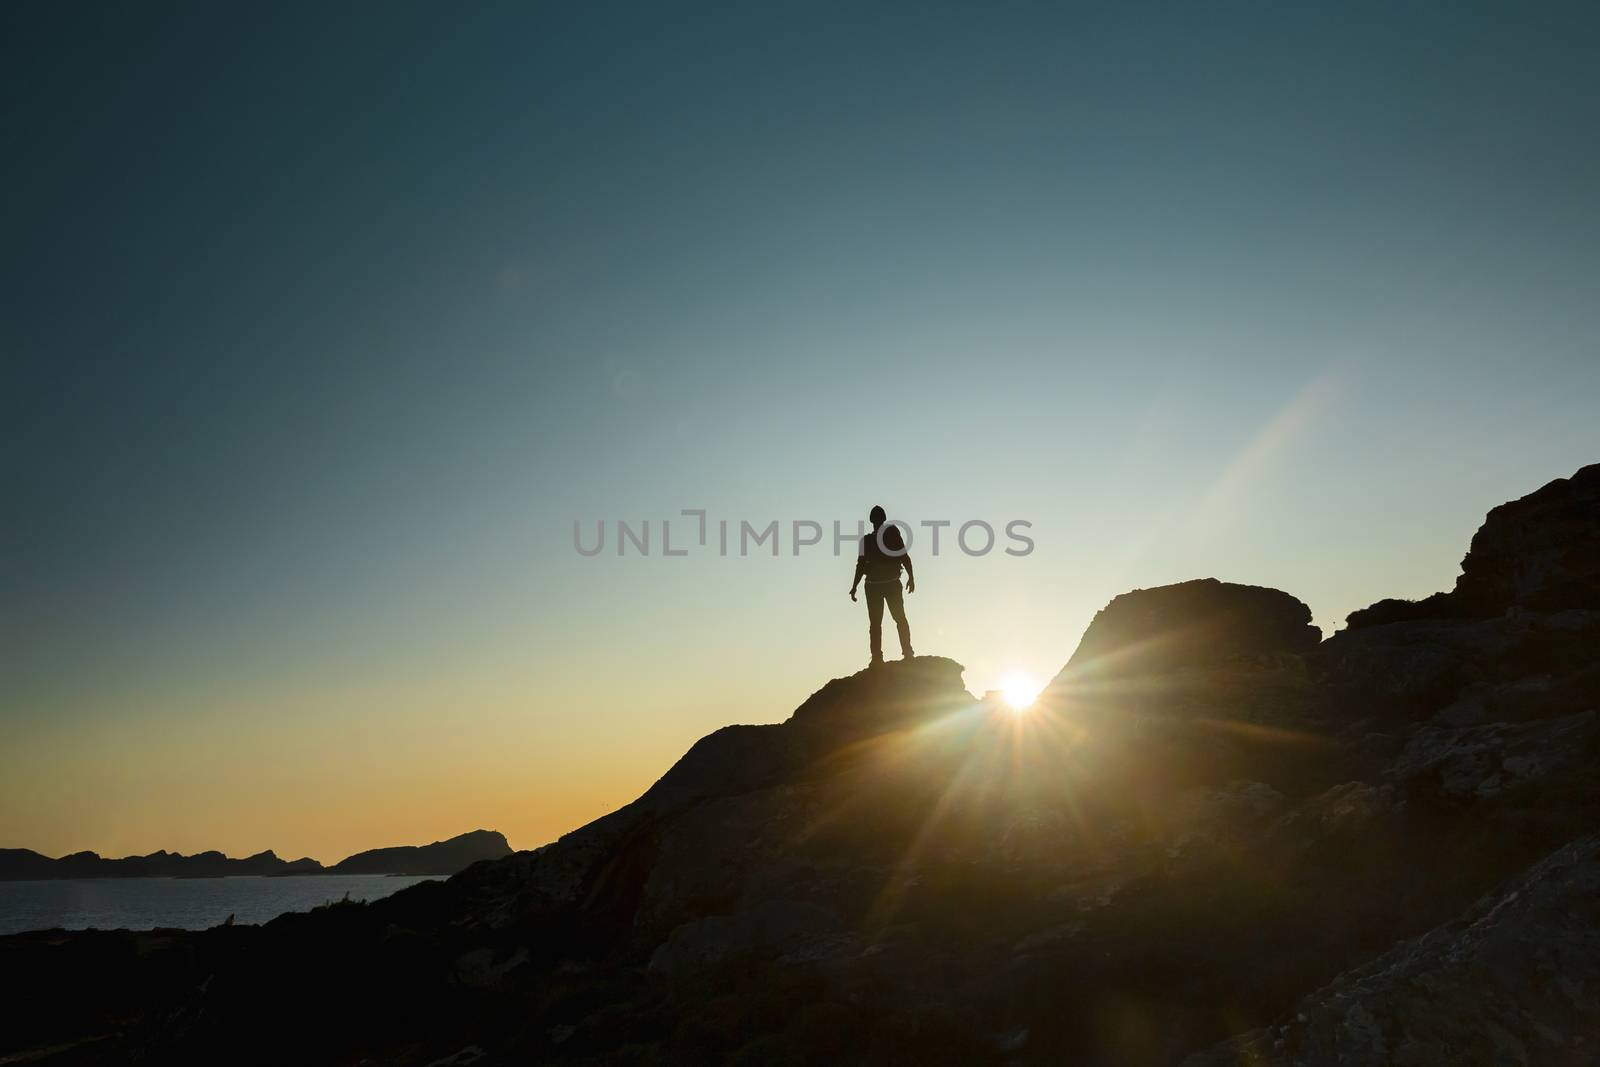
(1216, 838)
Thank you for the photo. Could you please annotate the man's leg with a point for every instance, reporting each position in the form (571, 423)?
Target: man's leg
(875, 621)
(897, 608)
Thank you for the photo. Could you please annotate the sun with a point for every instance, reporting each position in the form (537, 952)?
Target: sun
(1019, 691)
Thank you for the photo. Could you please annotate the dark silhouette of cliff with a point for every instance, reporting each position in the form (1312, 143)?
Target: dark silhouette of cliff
(1215, 839)
(440, 858)
(1202, 623)
(1539, 553)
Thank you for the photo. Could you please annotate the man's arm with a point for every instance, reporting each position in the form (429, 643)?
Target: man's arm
(911, 577)
(861, 568)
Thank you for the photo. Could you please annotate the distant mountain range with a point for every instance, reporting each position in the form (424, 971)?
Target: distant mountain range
(441, 858)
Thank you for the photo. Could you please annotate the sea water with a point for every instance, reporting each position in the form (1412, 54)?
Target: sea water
(185, 903)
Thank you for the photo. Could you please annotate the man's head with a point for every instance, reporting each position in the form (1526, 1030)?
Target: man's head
(878, 516)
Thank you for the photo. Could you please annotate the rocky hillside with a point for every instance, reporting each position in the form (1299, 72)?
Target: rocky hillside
(1216, 840)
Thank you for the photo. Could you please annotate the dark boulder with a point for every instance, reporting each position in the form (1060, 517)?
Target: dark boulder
(1200, 623)
(1537, 553)
(1201, 683)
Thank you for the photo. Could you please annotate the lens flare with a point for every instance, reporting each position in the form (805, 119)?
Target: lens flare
(1019, 691)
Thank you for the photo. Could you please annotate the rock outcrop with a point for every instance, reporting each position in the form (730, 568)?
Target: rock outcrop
(1203, 623)
(1539, 553)
(1213, 837)
(441, 857)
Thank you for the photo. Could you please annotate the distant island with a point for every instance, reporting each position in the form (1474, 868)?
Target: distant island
(439, 858)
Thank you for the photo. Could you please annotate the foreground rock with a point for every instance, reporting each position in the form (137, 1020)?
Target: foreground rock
(1213, 833)
(1517, 980)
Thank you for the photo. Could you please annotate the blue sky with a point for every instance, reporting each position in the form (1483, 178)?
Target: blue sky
(321, 327)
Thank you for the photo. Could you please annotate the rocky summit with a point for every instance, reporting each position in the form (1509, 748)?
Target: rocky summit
(1203, 623)
(1539, 553)
(1216, 839)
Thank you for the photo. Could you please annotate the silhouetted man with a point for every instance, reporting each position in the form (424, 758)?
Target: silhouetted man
(883, 553)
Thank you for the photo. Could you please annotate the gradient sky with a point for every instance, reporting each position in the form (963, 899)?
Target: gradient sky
(320, 328)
